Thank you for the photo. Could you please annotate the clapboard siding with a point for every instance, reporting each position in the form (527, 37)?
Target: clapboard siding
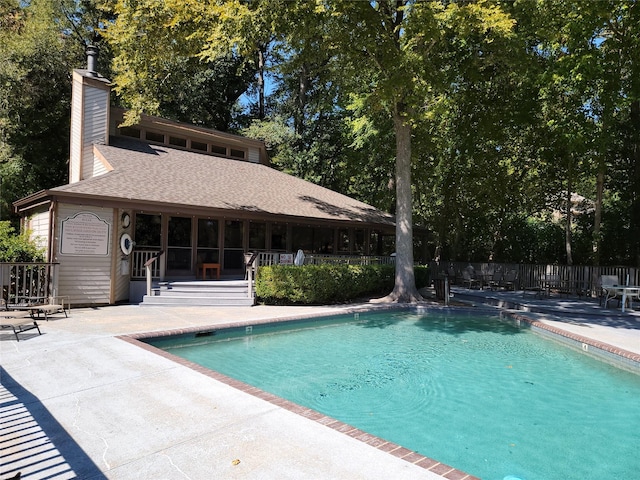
(98, 167)
(96, 126)
(89, 124)
(38, 226)
(84, 279)
(254, 155)
(76, 130)
(122, 280)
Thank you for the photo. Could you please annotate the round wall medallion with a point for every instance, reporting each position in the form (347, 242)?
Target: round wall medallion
(126, 220)
(126, 244)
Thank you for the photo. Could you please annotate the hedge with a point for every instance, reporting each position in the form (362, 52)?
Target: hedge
(324, 284)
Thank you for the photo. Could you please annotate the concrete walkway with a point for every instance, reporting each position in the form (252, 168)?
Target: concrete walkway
(79, 402)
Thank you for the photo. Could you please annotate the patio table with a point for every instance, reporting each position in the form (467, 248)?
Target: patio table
(625, 291)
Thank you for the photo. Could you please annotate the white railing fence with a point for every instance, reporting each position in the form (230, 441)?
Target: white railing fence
(274, 258)
(139, 259)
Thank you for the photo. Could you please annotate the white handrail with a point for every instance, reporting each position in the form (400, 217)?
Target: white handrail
(148, 268)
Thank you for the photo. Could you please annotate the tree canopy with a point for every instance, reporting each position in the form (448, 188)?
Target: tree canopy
(509, 130)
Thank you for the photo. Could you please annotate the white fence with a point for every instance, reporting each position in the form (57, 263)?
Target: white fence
(273, 258)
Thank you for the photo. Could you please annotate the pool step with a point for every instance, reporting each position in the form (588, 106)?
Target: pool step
(200, 293)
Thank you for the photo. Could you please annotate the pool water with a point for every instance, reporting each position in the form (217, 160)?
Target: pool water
(479, 394)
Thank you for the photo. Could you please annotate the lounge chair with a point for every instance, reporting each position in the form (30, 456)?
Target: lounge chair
(52, 306)
(18, 321)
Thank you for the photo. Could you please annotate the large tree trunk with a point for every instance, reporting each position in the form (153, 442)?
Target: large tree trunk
(404, 290)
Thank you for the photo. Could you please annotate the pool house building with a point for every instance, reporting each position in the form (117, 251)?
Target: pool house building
(197, 195)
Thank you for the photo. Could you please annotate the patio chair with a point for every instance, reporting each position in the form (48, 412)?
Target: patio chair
(469, 281)
(496, 280)
(510, 280)
(608, 290)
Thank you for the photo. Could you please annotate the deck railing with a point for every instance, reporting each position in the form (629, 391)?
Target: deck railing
(28, 282)
(577, 278)
(272, 258)
(139, 261)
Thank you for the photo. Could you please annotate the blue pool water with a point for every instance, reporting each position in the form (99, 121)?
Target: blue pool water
(479, 394)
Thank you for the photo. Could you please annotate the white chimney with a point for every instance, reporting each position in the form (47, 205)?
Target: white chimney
(89, 117)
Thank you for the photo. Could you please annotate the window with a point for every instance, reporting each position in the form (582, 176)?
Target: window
(278, 237)
(302, 238)
(257, 236)
(178, 142)
(130, 132)
(154, 137)
(148, 228)
(199, 146)
(323, 240)
(233, 232)
(233, 247)
(359, 244)
(343, 240)
(217, 149)
(237, 153)
(179, 245)
(208, 251)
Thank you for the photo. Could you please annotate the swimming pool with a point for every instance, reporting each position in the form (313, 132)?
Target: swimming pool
(482, 395)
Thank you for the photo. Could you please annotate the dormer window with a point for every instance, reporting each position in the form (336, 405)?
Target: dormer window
(178, 142)
(219, 150)
(154, 137)
(160, 131)
(198, 146)
(235, 153)
(130, 132)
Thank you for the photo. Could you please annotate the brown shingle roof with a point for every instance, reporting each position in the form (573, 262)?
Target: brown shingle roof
(150, 173)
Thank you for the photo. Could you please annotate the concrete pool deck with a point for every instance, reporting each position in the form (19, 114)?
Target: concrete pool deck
(79, 402)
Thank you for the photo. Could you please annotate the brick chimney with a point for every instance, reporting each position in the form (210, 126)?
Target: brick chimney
(89, 118)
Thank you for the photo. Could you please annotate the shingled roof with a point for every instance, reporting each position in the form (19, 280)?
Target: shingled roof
(144, 173)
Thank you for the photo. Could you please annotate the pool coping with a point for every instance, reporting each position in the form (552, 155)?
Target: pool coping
(613, 355)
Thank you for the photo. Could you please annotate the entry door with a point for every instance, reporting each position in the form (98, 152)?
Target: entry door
(179, 246)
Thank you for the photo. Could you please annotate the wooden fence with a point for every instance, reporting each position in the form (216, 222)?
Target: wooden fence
(578, 278)
(22, 283)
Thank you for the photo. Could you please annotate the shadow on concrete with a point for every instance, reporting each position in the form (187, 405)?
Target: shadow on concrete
(32, 441)
(566, 309)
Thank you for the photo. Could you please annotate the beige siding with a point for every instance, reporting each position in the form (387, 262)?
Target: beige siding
(84, 279)
(76, 131)
(89, 124)
(96, 108)
(121, 284)
(99, 167)
(254, 155)
(38, 226)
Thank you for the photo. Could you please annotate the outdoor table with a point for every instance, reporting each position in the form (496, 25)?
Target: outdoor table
(630, 291)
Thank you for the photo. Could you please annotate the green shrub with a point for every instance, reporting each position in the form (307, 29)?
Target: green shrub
(17, 247)
(423, 278)
(322, 284)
